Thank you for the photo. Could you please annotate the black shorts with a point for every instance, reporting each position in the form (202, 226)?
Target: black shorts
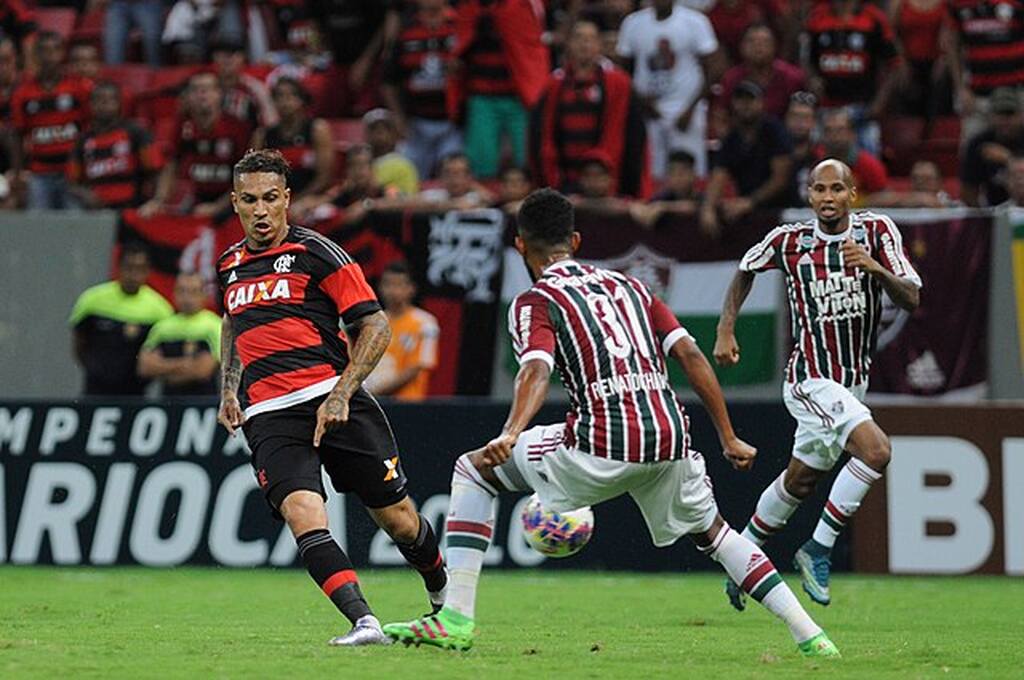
(360, 456)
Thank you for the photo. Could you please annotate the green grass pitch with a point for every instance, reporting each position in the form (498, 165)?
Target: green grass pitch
(212, 623)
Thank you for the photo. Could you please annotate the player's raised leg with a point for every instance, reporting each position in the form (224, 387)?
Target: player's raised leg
(870, 454)
(475, 488)
(417, 542)
(748, 566)
(330, 567)
(776, 505)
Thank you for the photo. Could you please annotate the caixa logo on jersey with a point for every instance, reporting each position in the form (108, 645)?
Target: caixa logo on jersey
(257, 292)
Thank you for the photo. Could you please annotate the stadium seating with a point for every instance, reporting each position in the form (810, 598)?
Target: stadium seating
(57, 19)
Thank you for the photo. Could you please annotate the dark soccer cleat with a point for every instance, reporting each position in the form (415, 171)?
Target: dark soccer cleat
(737, 598)
(814, 573)
(367, 631)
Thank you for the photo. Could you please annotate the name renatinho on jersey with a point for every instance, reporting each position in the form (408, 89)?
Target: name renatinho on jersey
(595, 276)
(258, 292)
(629, 382)
(840, 296)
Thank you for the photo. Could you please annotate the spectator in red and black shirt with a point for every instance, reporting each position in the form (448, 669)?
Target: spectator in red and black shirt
(245, 97)
(589, 105)
(416, 82)
(853, 62)
(206, 146)
(986, 51)
(49, 113)
(778, 79)
(113, 158)
(304, 141)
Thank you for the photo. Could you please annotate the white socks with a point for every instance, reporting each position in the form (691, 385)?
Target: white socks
(851, 486)
(469, 531)
(774, 509)
(756, 575)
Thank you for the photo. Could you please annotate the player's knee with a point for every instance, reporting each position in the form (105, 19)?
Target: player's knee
(799, 486)
(304, 512)
(878, 456)
(402, 524)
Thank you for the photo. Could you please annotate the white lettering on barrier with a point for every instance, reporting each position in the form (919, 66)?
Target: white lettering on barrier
(196, 431)
(148, 430)
(1013, 505)
(911, 505)
(145, 543)
(117, 495)
(233, 445)
(225, 545)
(14, 429)
(41, 514)
(60, 426)
(102, 431)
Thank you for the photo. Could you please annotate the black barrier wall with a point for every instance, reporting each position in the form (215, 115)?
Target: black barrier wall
(163, 485)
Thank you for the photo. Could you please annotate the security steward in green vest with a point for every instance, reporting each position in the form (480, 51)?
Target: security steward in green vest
(109, 323)
(183, 351)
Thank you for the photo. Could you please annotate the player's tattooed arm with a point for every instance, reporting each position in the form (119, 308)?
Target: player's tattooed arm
(371, 333)
(903, 292)
(727, 350)
(230, 415)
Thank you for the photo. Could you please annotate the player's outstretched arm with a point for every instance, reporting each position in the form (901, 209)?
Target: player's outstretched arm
(230, 415)
(727, 350)
(705, 384)
(531, 389)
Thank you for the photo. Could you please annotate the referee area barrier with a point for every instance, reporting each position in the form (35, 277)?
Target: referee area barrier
(161, 484)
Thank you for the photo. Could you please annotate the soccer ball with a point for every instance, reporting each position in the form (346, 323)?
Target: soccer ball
(556, 534)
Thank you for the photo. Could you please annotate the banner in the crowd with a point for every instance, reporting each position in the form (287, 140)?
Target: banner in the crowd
(940, 348)
(455, 257)
(138, 482)
(1017, 225)
(691, 272)
(950, 500)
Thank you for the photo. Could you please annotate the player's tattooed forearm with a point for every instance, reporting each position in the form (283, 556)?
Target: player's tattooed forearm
(231, 365)
(372, 338)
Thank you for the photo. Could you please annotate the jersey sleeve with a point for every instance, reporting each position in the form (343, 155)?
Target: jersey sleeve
(533, 334)
(706, 42)
(624, 46)
(891, 253)
(765, 255)
(154, 337)
(343, 282)
(666, 325)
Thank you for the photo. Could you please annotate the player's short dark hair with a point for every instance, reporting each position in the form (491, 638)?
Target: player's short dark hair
(682, 156)
(546, 218)
(300, 90)
(133, 248)
(263, 160)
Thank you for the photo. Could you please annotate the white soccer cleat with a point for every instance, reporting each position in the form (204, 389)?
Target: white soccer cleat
(367, 631)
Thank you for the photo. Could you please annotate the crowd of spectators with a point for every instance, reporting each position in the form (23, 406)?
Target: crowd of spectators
(714, 108)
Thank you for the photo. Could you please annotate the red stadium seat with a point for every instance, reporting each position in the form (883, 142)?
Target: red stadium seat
(346, 131)
(89, 28)
(134, 79)
(901, 137)
(56, 19)
(947, 127)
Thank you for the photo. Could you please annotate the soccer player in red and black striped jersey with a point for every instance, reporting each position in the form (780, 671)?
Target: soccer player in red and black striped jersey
(626, 432)
(837, 267)
(293, 382)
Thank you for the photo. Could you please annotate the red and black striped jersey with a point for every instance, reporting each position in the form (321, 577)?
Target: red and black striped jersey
(284, 304)
(298, 150)
(113, 163)
(207, 156)
(849, 52)
(418, 66)
(835, 310)
(607, 336)
(487, 71)
(579, 113)
(50, 120)
(992, 35)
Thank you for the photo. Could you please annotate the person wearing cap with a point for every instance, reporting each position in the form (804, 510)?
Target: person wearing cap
(755, 158)
(392, 170)
(983, 164)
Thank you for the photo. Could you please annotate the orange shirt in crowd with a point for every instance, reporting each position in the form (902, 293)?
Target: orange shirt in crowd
(413, 343)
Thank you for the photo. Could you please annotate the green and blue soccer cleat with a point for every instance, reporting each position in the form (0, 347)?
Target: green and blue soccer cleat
(447, 629)
(819, 646)
(814, 567)
(737, 598)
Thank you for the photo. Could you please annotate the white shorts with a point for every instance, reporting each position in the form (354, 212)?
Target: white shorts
(675, 497)
(825, 413)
